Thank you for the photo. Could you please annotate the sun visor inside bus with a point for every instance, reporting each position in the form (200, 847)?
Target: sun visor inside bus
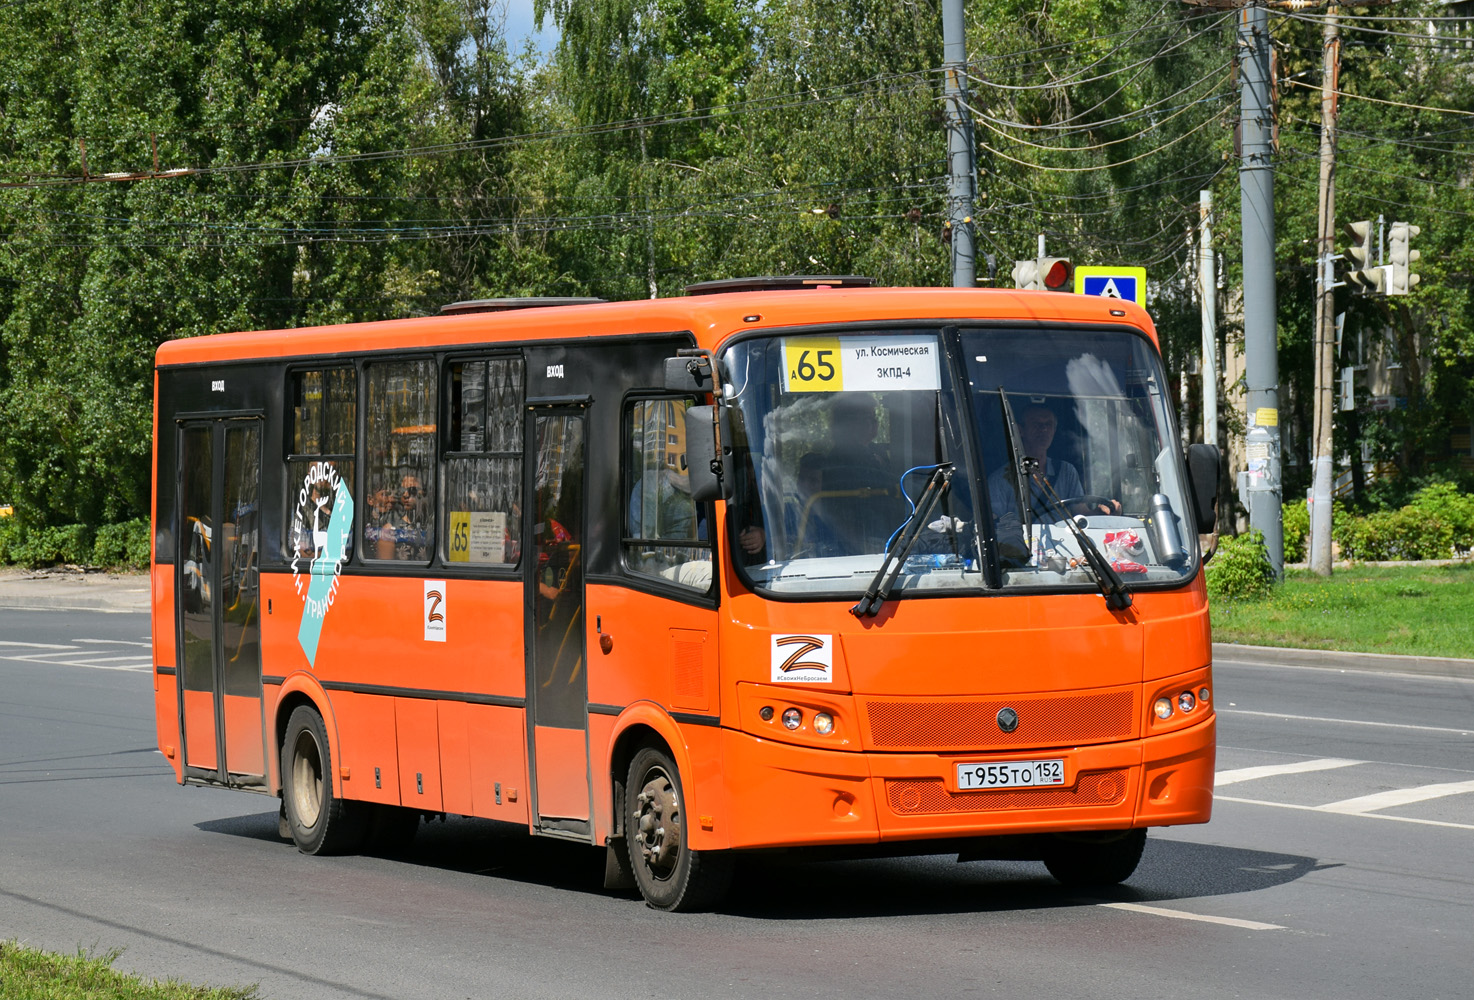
(711, 474)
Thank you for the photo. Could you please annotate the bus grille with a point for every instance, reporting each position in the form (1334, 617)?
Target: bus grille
(919, 796)
(1044, 721)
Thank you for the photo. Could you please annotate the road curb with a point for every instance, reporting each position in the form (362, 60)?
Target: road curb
(1433, 666)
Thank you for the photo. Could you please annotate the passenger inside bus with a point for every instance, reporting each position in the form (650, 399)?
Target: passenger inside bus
(401, 533)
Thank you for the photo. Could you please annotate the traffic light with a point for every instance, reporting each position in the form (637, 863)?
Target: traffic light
(1373, 280)
(1053, 273)
(1056, 273)
(1360, 272)
(1026, 274)
(1402, 279)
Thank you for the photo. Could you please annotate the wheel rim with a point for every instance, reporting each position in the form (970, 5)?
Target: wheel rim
(306, 779)
(657, 824)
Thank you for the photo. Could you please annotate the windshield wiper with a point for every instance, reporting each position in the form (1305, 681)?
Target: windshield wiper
(1021, 487)
(1117, 595)
(904, 541)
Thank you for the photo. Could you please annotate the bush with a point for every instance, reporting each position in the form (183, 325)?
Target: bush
(1240, 569)
(11, 538)
(1453, 507)
(68, 543)
(1408, 533)
(122, 545)
(1297, 530)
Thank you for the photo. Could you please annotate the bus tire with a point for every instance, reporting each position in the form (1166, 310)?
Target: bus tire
(319, 823)
(667, 872)
(1095, 860)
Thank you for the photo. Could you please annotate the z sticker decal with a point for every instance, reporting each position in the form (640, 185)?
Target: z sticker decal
(434, 610)
(803, 659)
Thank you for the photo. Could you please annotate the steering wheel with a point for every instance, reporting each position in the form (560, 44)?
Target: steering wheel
(1091, 500)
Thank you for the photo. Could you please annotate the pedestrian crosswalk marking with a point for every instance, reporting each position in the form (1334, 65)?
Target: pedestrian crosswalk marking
(1368, 815)
(1270, 770)
(1364, 804)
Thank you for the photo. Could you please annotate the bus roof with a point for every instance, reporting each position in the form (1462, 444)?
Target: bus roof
(710, 318)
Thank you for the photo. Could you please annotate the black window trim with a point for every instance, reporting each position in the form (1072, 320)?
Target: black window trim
(646, 582)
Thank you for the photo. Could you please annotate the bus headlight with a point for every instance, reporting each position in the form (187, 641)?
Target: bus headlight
(1163, 708)
(792, 718)
(1186, 701)
(823, 723)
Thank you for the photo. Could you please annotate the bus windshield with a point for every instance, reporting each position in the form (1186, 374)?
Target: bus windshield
(835, 437)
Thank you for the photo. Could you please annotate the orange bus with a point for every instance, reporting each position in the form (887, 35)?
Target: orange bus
(792, 563)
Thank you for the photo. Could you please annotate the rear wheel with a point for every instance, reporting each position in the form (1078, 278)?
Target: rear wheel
(1095, 859)
(668, 873)
(318, 822)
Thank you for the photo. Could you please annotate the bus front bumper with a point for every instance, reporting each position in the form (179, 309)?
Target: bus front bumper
(781, 795)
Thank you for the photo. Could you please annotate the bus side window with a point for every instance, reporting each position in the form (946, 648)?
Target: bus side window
(321, 445)
(665, 531)
(399, 516)
(483, 462)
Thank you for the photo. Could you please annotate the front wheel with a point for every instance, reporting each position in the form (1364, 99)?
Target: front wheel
(1095, 859)
(318, 822)
(669, 874)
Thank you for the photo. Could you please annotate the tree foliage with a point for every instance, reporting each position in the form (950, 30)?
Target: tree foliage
(361, 159)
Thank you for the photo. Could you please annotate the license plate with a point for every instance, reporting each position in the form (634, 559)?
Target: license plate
(1010, 774)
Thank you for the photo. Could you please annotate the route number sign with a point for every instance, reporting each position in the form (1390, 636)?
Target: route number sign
(860, 364)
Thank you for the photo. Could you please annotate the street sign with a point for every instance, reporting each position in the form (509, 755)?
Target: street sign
(1112, 282)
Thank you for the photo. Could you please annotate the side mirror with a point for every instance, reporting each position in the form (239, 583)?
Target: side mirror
(688, 375)
(711, 473)
(1202, 474)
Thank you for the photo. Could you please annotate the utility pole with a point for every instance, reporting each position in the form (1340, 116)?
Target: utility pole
(1259, 487)
(1323, 465)
(959, 146)
(1208, 297)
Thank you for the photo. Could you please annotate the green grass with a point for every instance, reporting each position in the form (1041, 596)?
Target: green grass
(28, 974)
(1412, 610)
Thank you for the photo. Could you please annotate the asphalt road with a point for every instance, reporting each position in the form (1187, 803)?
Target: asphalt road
(1338, 864)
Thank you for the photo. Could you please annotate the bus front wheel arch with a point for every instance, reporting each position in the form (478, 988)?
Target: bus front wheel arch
(667, 872)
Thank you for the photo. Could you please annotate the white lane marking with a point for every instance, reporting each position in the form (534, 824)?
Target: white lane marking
(1270, 770)
(1344, 722)
(1397, 797)
(35, 645)
(72, 607)
(132, 657)
(113, 642)
(139, 663)
(1322, 811)
(1161, 911)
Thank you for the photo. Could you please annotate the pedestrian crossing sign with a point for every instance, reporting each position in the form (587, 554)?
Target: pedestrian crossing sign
(1112, 283)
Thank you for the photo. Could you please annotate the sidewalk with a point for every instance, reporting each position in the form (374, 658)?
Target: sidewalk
(56, 589)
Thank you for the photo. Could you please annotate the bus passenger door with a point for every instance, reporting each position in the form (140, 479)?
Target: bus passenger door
(218, 601)
(557, 675)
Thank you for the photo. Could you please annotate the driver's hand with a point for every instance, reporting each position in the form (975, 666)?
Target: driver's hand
(752, 540)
